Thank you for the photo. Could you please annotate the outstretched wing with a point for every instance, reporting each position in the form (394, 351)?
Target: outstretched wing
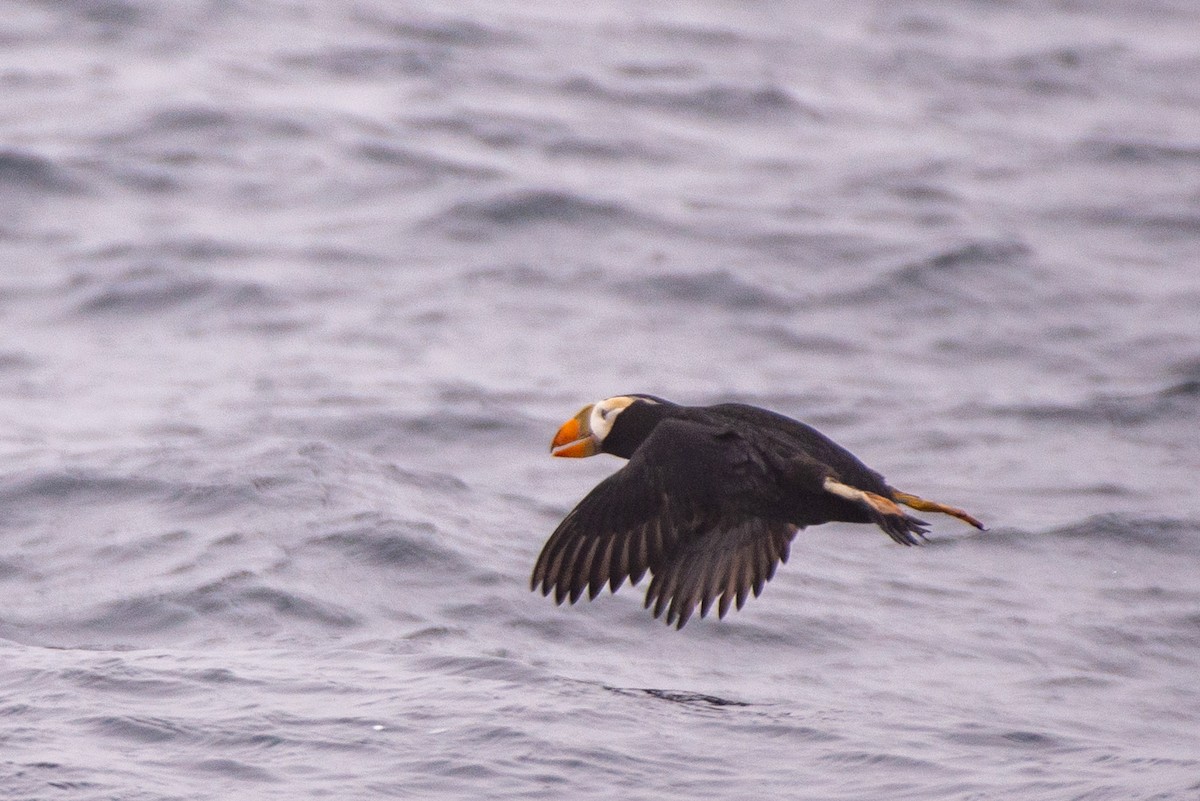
(670, 490)
(722, 564)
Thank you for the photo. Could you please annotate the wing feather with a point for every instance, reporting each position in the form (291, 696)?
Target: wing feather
(669, 512)
(601, 570)
(720, 566)
(636, 517)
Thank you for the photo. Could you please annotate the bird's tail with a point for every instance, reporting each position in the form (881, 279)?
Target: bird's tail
(922, 505)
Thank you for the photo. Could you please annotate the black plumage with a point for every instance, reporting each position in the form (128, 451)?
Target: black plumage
(708, 503)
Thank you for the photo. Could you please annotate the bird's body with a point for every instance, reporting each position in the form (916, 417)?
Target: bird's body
(708, 502)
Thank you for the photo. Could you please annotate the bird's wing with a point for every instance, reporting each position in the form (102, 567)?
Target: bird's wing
(725, 562)
(669, 492)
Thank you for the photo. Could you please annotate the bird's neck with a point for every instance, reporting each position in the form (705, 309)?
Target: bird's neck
(633, 425)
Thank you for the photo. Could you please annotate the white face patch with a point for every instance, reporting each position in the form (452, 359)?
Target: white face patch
(604, 414)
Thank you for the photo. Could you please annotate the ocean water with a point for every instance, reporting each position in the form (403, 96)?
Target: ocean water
(293, 296)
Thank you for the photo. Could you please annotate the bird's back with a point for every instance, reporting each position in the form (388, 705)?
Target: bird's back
(792, 435)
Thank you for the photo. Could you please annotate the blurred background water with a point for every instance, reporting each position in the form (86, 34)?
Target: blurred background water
(294, 294)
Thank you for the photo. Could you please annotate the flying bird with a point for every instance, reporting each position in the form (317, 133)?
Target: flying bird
(707, 503)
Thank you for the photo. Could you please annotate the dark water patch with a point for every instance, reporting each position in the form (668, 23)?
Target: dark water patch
(926, 194)
(401, 544)
(1138, 597)
(682, 697)
(442, 426)
(553, 138)
(240, 599)
(12, 361)
(529, 276)
(926, 184)
(1161, 534)
(197, 134)
(868, 759)
(542, 622)
(1140, 151)
(1084, 681)
(137, 729)
(30, 780)
(23, 172)
(520, 209)
(1178, 219)
(206, 119)
(497, 131)
(695, 33)
(1032, 738)
(77, 486)
(221, 676)
(718, 288)
(146, 615)
(109, 18)
(957, 260)
(118, 676)
(186, 249)
(729, 102)
(1171, 639)
(1059, 72)
(482, 667)
(390, 154)
(463, 767)
(200, 500)
(772, 628)
(234, 769)
(977, 736)
(367, 61)
(436, 633)
(1120, 411)
(147, 178)
(142, 547)
(781, 336)
(194, 118)
(149, 291)
(616, 150)
(1189, 388)
(971, 273)
(676, 69)
(448, 31)
(332, 255)
(771, 728)
(146, 291)
(278, 602)
(910, 22)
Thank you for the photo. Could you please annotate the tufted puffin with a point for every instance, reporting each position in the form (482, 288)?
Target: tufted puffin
(708, 502)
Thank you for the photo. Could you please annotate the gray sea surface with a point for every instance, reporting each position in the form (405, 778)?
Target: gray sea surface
(294, 294)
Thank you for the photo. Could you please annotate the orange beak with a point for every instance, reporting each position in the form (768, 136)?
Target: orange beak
(575, 438)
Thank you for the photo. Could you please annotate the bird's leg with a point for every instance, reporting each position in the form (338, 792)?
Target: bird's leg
(884, 512)
(923, 505)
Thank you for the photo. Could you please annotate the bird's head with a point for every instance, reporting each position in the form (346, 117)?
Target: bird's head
(587, 433)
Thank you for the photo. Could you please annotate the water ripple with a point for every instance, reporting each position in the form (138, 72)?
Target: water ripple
(24, 171)
(526, 207)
